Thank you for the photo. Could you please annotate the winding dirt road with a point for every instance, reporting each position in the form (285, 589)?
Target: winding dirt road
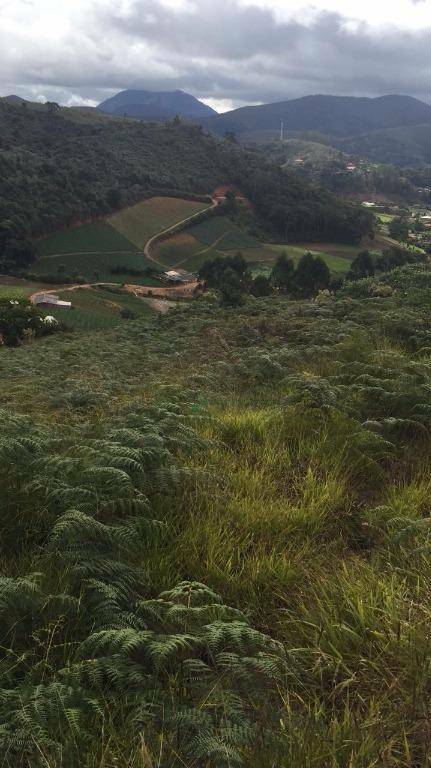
(173, 229)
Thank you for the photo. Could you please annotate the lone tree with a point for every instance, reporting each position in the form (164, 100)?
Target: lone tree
(312, 275)
(283, 272)
(399, 229)
(362, 266)
(230, 276)
(231, 293)
(261, 286)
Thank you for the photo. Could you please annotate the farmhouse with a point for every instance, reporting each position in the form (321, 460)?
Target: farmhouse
(179, 277)
(51, 300)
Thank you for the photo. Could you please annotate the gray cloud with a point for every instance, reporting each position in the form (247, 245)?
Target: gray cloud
(215, 51)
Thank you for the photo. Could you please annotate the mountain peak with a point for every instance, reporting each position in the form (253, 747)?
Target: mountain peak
(156, 105)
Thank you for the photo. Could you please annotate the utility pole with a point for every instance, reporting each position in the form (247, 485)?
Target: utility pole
(282, 131)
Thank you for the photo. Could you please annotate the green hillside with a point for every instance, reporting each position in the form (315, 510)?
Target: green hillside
(215, 535)
(336, 116)
(58, 167)
(402, 146)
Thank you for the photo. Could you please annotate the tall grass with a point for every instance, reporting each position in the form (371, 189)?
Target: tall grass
(273, 463)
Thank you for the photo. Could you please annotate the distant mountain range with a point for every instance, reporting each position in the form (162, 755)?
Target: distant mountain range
(334, 116)
(156, 105)
(387, 129)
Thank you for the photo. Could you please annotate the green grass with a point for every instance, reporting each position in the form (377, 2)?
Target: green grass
(98, 236)
(284, 449)
(140, 222)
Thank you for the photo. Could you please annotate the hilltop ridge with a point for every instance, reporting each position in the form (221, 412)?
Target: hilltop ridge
(156, 105)
(336, 116)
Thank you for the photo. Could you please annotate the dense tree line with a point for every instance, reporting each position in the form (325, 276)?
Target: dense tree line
(231, 277)
(367, 265)
(58, 167)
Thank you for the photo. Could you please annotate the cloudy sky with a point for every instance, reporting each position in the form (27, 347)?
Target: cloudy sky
(226, 52)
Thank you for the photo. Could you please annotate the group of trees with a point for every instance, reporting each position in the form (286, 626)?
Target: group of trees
(310, 276)
(232, 278)
(366, 265)
(399, 229)
(19, 320)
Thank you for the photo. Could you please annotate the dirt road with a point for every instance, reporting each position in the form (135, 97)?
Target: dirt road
(172, 229)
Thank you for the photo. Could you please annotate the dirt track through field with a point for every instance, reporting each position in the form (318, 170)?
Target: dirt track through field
(173, 229)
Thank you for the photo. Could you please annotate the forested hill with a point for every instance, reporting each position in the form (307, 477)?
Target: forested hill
(58, 166)
(155, 105)
(331, 115)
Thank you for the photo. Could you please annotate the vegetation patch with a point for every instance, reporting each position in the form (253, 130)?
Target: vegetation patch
(217, 524)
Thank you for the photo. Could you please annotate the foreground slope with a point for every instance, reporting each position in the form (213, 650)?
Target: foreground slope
(215, 537)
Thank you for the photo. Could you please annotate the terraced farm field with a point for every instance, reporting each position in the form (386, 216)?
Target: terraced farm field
(93, 250)
(98, 236)
(217, 235)
(142, 221)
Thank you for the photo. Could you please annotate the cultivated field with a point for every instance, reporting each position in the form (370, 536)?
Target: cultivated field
(96, 267)
(98, 236)
(93, 250)
(219, 236)
(142, 221)
(16, 288)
